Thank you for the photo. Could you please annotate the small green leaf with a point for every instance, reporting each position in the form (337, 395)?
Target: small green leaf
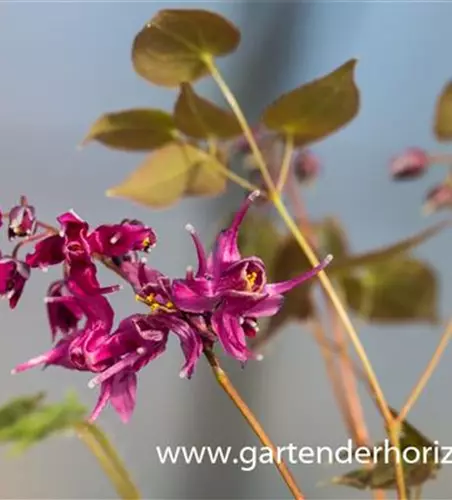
(42, 423)
(133, 130)
(442, 126)
(199, 118)
(401, 290)
(168, 174)
(172, 47)
(347, 263)
(18, 408)
(316, 109)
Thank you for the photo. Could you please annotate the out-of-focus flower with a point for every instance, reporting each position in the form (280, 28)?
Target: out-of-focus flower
(411, 164)
(438, 198)
(22, 220)
(306, 166)
(13, 276)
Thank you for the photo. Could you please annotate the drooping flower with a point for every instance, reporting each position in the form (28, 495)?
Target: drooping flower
(64, 316)
(13, 275)
(411, 164)
(22, 220)
(232, 289)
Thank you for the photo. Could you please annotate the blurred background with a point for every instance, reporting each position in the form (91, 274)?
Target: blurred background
(64, 64)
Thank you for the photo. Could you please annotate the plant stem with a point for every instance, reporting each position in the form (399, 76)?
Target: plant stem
(285, 165)
(230, 390)
(323, 277)
(99, 445)
(432, 364)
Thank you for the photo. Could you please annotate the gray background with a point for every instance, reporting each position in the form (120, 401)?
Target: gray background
(63, 64)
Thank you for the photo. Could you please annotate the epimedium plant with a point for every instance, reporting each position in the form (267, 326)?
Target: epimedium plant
(254, 271)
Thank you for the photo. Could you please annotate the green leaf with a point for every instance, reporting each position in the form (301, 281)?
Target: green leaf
(332, 238)
(401, 290)
(259, 237)
(347, 263)
(173, 46)
(316, 109)
(169, 173)
(42, 423)
(201, 119)
(382, 474)
(133, 130)
(442, 126)
(18, 408)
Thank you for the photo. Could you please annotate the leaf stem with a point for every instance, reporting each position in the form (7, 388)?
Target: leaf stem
(323, 277)
(229, 389)
(99, 445)
(285, 165)
(432, 364)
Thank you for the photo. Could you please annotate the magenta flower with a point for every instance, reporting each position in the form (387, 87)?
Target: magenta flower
(411, 164)
(13, 276)
(22, 220)
(233, 290)
(64, 316)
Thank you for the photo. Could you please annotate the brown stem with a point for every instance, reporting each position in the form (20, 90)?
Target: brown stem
(230, 390)
(26, 241)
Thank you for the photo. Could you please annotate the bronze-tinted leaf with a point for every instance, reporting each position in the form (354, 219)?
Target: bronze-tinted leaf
(168, 174)
(442, 126)
(347, 263)
(205, 178)
(199, 118)
(133, 129)
(401, 290)
(332, 238)
(316, 109)
(172, 47)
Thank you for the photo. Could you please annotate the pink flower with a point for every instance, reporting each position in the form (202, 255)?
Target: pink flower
(411, 164)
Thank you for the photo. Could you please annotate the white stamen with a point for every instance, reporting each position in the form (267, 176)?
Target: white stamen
(241, 321)
(141, 351)
(61, 234)
(44, 269)
(182, 374)
(92, 383)
(255, 194)
(257, 329)
(328, 259)
(114, 239)
(143, 260)
(10, 294)
(190, 228)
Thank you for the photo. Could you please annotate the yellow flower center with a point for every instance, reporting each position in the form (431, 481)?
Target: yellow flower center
(153, 304)
(251, 280)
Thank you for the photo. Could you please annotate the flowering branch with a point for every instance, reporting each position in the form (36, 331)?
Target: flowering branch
(230, 390)
(325, 281)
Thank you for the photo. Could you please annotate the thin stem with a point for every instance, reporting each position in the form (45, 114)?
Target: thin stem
(99, 445)
(323, 277)
(285, 165)
(432, 364)
(26, 241)
(230, 390)
(232, 101)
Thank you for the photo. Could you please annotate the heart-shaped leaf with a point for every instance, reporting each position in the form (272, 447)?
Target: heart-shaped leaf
(133, 129)
(199, 118)
(173, 46)
(316, 109)
(442, 123)
(169, 173)
(400, 290)
(347, 263)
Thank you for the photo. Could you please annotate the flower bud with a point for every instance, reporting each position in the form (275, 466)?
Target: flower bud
(22, 220)
(306, 166)
(438, 198)
(411, 164)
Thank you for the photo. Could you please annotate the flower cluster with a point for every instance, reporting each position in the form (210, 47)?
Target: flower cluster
(220, 301)
(414, 163)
